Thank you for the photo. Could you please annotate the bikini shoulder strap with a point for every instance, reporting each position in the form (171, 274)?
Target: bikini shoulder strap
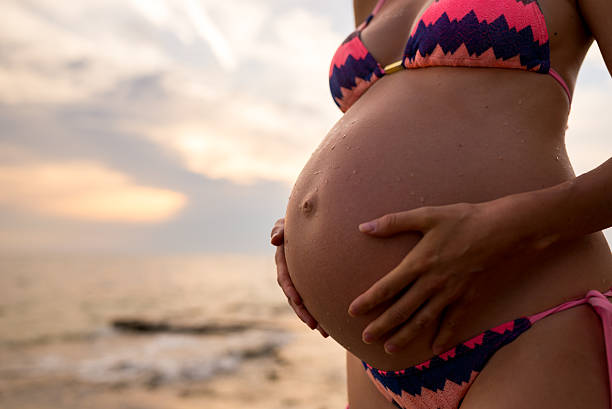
(372, 14)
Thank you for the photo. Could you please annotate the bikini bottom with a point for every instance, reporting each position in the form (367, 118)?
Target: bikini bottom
(442, 381)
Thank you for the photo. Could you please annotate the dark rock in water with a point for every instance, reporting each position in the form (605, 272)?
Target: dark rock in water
(261, 351)
(272, 376)
(144, 326)
(154, 381)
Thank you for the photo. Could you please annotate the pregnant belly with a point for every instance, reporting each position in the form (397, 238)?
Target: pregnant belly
(375, 161)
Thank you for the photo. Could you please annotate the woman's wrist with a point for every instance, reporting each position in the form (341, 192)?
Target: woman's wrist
(531, 221)
(571, 209)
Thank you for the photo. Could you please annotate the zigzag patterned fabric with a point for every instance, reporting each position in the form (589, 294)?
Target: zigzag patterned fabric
(468, 33)
(483, 33)
(352, 72)
(442, 381)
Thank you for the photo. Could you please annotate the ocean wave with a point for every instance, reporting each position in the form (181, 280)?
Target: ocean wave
(155, 360)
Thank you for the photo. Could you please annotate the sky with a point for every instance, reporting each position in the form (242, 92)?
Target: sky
(170, 126)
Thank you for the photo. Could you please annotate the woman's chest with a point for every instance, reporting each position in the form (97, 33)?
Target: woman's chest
(555, 24)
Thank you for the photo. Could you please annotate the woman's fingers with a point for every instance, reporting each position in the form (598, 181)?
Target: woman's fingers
(398, 313)
(293, 297)
(278, 232)
(428, 315)
(303, 314)
(283, 278)
(392, 283)
(448, 328)
(416, 219)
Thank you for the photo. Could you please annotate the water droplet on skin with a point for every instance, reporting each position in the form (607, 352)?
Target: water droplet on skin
(354, 172)
(316, 172)
(343, 136)
(348, 148)
(326, 181)
(316, 189)
(520, 101)
(556, 157)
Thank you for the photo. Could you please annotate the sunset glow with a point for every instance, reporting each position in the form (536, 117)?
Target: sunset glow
(146, 122)
(85, 191)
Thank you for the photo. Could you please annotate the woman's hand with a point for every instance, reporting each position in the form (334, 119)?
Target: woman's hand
(284, 280)
(459, 242)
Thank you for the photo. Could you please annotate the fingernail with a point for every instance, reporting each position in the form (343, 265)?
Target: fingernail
(367, 338)
(367, 227)
(355, 310)
(437, 350)
(390, 348)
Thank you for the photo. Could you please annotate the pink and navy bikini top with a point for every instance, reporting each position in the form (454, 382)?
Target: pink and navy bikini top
(466, 33)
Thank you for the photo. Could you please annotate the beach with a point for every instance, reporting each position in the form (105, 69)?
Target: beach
(197, 331)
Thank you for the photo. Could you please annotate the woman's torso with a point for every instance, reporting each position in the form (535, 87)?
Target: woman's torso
(434, 136)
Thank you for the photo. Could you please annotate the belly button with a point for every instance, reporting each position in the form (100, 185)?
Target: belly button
(308, 205)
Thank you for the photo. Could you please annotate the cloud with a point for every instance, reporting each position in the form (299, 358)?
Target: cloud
(220, 102)
(243, 141)
(208, 31)
(267, 127)
(58, 55)
(276, 98)
(85, 191)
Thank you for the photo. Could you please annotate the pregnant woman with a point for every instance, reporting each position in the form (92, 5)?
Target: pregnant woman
(483, 278)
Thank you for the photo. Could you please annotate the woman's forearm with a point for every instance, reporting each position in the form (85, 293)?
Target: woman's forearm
(568, 210)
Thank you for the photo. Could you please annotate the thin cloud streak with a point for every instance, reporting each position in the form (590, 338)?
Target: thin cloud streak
(205, 27)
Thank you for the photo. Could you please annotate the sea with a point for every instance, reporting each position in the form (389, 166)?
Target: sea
(152, 331)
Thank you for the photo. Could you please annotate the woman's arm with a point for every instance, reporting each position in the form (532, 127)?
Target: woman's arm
(565, 211)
